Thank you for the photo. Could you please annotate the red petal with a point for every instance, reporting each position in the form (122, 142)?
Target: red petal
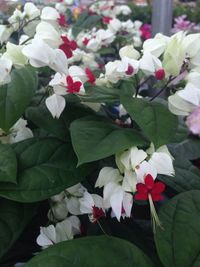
(141, 188)
(141, 196)
(77, 86)
(158, 188)
(149, 181)
(90, 76)
(156, 197)
(73, 45)
(67, 50)
(69, 80)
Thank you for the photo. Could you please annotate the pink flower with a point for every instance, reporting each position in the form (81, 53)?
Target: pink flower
(193, 121)
(145, 30)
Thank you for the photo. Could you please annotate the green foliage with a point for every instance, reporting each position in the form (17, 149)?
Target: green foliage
(58, 127)
(187, 176)
(95, 138)
(45, 168)
(178, 242)
(84, 22)
(102, 251)
(14, 218)
(8, 164)
(16, 96)
(157, 123)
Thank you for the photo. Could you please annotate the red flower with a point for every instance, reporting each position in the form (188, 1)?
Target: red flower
(97, 213)
(90, 75)
(68, 46)
(85, 41)
(62, 20)
(154, 189)
(72, 87)
(106, 20)
(160, 74)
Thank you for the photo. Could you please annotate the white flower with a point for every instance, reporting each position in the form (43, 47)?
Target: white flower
(20, 132)
(115, 25)
(63, 231)
(5, 33)
(55, 104)
(179, 106)
(128, 67)
(122, 9)
(31, 11)
(115, 197)
(16, 17)
(49, 14)
(92, 204)
(144, 169)
(132, 158)
(111, 73)
(155, 46)
(58, 211)
(14, 53)
(48, 33)
(162, 160)
(107, 175)
(129, 52)
(5, 69)
(149, 64)
(41, 55)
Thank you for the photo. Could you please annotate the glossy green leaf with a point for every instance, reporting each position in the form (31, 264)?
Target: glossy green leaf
(99, 251)
(8, 164)
(101, 94)
(45, 168)
(16, 95)
(155, 120)
(178, 243)
(95, 138)
(187, 176)
(58, 127)
(14, 218)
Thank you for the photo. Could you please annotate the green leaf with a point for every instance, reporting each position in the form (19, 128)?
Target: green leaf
(16, 95)
(58, 127)
(99, 251)
(156, 121)
(106, 51)
(187, 176)
(189, 148)
(8, 164)
(95, 138)
(14, 218)
(98, 94)
(178, 243)
(45, 168)
(85, 21)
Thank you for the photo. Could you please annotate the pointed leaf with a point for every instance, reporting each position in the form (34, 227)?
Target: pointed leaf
(16, 95)
(178, 243)
(45, 168)
(155, 120)
(99, 251)
(8, 164)
(94, 138)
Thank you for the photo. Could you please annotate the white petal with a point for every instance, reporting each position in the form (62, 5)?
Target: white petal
(116, 202)
(107, 175)
(137, 156)
(86, 203)
(127, 203)
(143, 169)
(55, 105)
(163, 163)
(129, 181)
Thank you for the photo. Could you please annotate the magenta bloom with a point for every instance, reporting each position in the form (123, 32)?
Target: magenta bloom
(145, 30)
(193, 121)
